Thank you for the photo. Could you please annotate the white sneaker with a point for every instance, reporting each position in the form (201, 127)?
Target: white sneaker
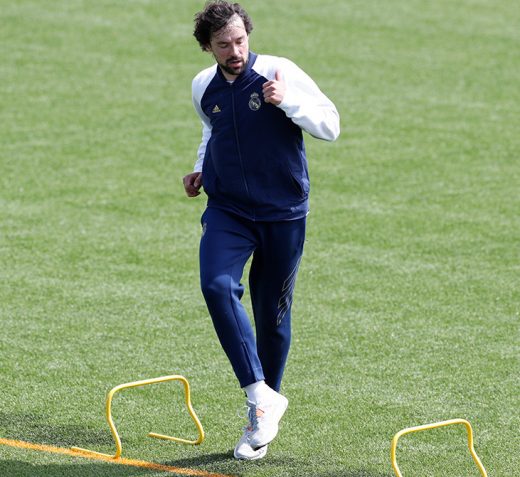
(264, 417)
(243, 449)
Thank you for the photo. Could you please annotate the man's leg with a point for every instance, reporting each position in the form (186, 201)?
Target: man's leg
(226, 244)
(272, 279)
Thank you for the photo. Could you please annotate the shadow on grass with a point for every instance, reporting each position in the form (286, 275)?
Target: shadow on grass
(89, 468)
(225, 463)
(13, 468)
(221, 463)
(33, 428)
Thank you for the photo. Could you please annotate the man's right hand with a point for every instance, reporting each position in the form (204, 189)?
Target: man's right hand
(192, 183)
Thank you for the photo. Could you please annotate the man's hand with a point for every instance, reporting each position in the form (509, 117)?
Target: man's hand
(274, 90)
(192, 183)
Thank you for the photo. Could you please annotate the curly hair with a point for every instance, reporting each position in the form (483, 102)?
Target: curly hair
(216, 15)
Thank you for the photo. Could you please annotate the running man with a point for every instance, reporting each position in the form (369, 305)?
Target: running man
(253, 168)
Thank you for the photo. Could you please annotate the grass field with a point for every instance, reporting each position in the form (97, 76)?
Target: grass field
(407, 305)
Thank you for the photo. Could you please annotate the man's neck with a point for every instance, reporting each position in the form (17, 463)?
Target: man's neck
(229, 77)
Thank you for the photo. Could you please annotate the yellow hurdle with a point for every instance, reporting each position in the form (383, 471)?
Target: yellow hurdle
(146, 382)
(434, 426)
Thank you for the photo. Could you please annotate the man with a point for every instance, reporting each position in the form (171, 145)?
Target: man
(253, 167)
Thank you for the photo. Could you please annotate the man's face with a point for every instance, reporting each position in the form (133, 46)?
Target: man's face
(230, 47)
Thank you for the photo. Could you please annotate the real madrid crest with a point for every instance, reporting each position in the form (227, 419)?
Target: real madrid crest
(255, 102)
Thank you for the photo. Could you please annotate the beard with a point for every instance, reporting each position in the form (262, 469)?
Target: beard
(234, 70)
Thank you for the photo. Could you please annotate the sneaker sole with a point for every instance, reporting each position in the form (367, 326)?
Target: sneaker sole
(259, 454)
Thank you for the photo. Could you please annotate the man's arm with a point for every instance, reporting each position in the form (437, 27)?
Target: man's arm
(293, 91)
(193, 182)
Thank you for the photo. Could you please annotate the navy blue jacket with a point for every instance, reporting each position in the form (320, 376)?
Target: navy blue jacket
(252, 152)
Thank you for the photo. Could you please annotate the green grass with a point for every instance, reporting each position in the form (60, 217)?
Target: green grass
(407, 304)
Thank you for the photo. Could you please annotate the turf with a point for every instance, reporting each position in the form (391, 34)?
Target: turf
(407, 305)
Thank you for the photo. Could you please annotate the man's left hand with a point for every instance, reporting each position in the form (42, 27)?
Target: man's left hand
(274, 90)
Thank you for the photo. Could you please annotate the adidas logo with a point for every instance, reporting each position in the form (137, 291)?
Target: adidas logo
(216, 109)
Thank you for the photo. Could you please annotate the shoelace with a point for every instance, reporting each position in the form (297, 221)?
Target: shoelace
(253, 417)
(246, 415)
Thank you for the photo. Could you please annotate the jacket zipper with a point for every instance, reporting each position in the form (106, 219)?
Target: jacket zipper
(238, 145)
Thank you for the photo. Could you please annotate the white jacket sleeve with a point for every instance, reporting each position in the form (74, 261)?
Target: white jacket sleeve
(197, 89)
(306, 105)
(206, 134)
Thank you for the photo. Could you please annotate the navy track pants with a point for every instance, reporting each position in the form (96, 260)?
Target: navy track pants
(227, 242)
